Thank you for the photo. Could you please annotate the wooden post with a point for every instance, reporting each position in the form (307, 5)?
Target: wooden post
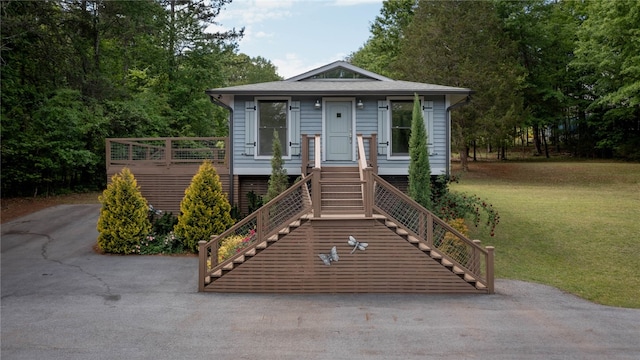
(368, 193)
(316, 194)
(475, 258)
(373, 152)
(317, 150)
(430, 230)
(304, 156)
(202, 261)
(168, 151)
(490, 256)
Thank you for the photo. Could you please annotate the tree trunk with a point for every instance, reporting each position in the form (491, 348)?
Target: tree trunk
(546, 146)
(474, 151)
(463, 158)
(536, 139)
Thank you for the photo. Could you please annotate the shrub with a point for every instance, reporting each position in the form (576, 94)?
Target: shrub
(451, 244)
(419, 168)
(204, 210)
(233, 244)
(449, 205)
(279, 180)
(123, 221)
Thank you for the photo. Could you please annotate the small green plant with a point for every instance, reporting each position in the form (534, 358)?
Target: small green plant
(205, 209)
(279, 180)
(160, 244)
(255, 201)
(123, 221)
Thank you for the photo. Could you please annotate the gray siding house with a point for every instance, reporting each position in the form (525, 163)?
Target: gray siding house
(337, 101)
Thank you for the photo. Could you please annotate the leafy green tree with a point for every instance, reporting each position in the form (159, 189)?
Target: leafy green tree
(204, 210)
(123, 221)
(608, 55)
(419, 168)
(278, 181)
(387, 31)
(464, 45)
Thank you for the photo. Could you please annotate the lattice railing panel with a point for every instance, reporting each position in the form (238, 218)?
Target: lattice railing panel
(400, 209)
(278, 212)
(174, 150)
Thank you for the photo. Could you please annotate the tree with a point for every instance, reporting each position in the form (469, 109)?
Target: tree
(608, 55)
(461, 43)
(419, 168)
(123, 221)
(387, 31)
(278, 181)
(204, 210)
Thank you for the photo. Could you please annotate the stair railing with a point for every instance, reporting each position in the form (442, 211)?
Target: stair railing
(256, 228)
(365, 171)
(435, 233)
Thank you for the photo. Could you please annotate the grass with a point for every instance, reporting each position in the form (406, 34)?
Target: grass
(571, 225)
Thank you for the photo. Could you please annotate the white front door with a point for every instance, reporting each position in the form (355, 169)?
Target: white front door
(339, 133)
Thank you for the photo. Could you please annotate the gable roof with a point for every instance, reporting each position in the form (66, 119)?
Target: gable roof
(363, 82)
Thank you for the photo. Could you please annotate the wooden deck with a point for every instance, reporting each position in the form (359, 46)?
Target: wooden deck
(164, 167)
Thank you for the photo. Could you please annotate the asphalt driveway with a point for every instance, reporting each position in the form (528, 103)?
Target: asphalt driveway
(61, 300)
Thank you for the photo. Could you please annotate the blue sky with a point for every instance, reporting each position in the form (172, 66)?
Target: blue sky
(300, 35)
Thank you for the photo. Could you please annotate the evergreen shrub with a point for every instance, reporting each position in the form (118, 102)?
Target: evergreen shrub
(123, 221)
(204, 210)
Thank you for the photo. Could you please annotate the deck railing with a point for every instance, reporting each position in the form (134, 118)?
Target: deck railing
(311, 152)
(167, 151)
(257, 228)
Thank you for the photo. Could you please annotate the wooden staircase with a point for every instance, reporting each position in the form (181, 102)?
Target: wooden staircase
(341, 191)
(432, 253)
(285, 258)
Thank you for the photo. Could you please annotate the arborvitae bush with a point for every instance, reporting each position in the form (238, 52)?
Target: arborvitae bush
(204, 210)
(123, 221)
(419, 168)
(279, 180)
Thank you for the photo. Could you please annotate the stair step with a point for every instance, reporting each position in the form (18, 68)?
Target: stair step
(207, 280)
(435, 255)
(239, 259)
(402, 232)
(470, 279)
(456, 270)
(295, 224)
(262, 245)
(284, 231)
(446, 263)
(479, 286)
(423, 247)
(390, 224)
(251, 252)
(217, 273)
(273, 238)
(415, 240)
(229, 266)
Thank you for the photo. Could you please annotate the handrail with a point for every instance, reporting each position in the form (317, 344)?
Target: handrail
(317, 152)
(167, 151)
(430, 230)
(257, 228)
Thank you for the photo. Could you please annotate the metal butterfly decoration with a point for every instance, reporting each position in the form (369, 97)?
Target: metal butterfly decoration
(330, 257)
(357, 245)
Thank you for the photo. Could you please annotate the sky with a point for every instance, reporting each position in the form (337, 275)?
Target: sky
(300, 35)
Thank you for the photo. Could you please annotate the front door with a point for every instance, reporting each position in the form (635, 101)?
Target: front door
(339, 130)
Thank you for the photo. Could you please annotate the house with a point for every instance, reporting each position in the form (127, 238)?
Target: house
(336, 101)
(344, 135)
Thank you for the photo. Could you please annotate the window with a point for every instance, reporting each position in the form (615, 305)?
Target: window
(272, 116)
(401, 113)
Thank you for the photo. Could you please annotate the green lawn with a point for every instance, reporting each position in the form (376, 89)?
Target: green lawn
(572, 225)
